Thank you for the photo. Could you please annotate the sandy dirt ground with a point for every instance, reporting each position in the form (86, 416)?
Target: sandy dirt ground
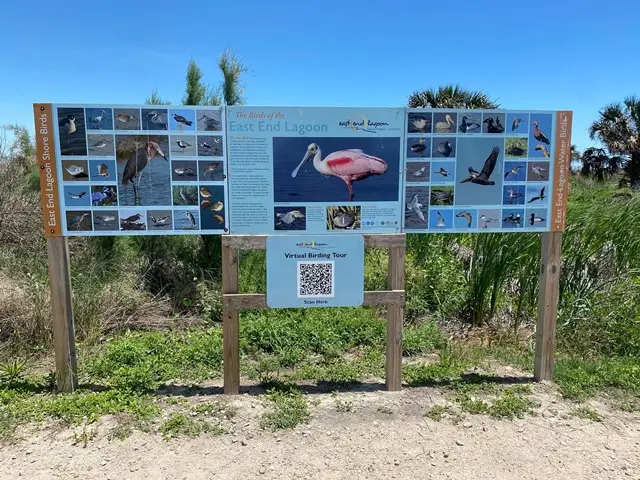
(386, 435)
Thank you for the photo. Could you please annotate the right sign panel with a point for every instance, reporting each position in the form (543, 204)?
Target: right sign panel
(486, 170)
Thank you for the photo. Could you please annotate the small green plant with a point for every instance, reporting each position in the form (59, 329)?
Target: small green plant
(436, 412)
(84, 436)
(344, 406)
(472, 405)
(510, 405)
(586, 413)
(181, 425)
(13, 370)
(216, 409)
(289, 409)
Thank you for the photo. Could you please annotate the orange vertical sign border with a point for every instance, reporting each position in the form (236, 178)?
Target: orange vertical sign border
(47, 167)
(561, 166)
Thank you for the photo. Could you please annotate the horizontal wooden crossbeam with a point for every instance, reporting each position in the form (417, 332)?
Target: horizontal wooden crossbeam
(259, 242)
(241, 301)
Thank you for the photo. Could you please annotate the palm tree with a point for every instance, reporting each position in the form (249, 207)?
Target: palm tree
(597, 163)
(618, 128)
(451, 96)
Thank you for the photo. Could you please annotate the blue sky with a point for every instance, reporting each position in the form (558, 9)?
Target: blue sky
(569, 54)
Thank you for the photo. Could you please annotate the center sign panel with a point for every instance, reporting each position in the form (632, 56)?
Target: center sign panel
(315, 170)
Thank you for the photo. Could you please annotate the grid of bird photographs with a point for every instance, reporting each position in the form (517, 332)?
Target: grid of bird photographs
(141, 169)
(477, 170)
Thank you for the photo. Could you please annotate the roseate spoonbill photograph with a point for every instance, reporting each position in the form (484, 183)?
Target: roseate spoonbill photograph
(212, 207)
(99, 118)
(105, 220)
(209, 120)
(101, 145)
(479, 171)
(538, 171)
(445, 122)
(336, 169)
(182, 119)
(126, 118)
(210, 145)
(160, 220)
(416, 208)
(344, 217)
(143, 169)
(418, 172)
(419, 122)
(75, 170)
(71, 131)
(79, 221)
(515, 147)
(418, 147)
(517, 123)
(540, 135)
(290, 218)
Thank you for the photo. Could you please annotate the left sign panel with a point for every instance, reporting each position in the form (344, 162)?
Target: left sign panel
(136, 169)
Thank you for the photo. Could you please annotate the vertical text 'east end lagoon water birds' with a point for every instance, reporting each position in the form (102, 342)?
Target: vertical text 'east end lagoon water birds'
(137, 163)
(349, 165)
(483, 177)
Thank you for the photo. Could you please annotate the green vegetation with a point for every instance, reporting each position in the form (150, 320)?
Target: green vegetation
(288, 409)
(181, 425)
(586, 413)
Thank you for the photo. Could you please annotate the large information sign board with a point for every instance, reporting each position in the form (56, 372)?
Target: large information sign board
(308, 271)
(132, 169)
(485, 170)
(315, 170)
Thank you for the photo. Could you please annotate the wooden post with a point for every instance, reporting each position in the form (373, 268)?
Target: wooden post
(548, 304)
(62, 312)
(231, 324)
(395, 315)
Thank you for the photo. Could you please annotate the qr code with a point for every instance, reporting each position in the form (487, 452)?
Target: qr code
(315, 279)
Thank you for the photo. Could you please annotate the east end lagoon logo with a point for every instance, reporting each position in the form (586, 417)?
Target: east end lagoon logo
(313, 245)
(363, 124)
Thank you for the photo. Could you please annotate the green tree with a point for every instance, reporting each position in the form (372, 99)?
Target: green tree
(618, 128)
(451, 96)
(155, 99)
(196, 90)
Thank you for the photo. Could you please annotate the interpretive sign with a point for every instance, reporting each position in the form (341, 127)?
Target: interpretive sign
(305, 271)
(486, 170)
(315, 170)
(109, 170)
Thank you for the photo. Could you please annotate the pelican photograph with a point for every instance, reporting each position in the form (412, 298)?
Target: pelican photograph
(489, 219)
(77, 195)
(493, 123)
(344, 217)
(185, 195)
(469, 122)
(101, 145)
(536, 218)
(126, 118)
(210, 145)
(186, 219)
(71, 132)
(102, 170)
(539, 135)
(211, 170)
(479, 171)
(331, 169)
(513, 195)
(104, 195)
(154, 119)
(133, 219)
(160, 220)
(290, 218)
(517, 123)
(183, 146)
(75, 170)
(512, 218)
(465, 219)
(445, 122)
(441, 195)
(209, 120)
(212, 207)
(99, 118)
(184, 170)
(515, 147)
(182, 120)
(418, 147)
(417, 172)
(538, 171)
(416, 208)
(105, 220)
(79, 221)
(440, 219)
(144, 170)
(419, 122)
(443, 172)
(444, 147)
